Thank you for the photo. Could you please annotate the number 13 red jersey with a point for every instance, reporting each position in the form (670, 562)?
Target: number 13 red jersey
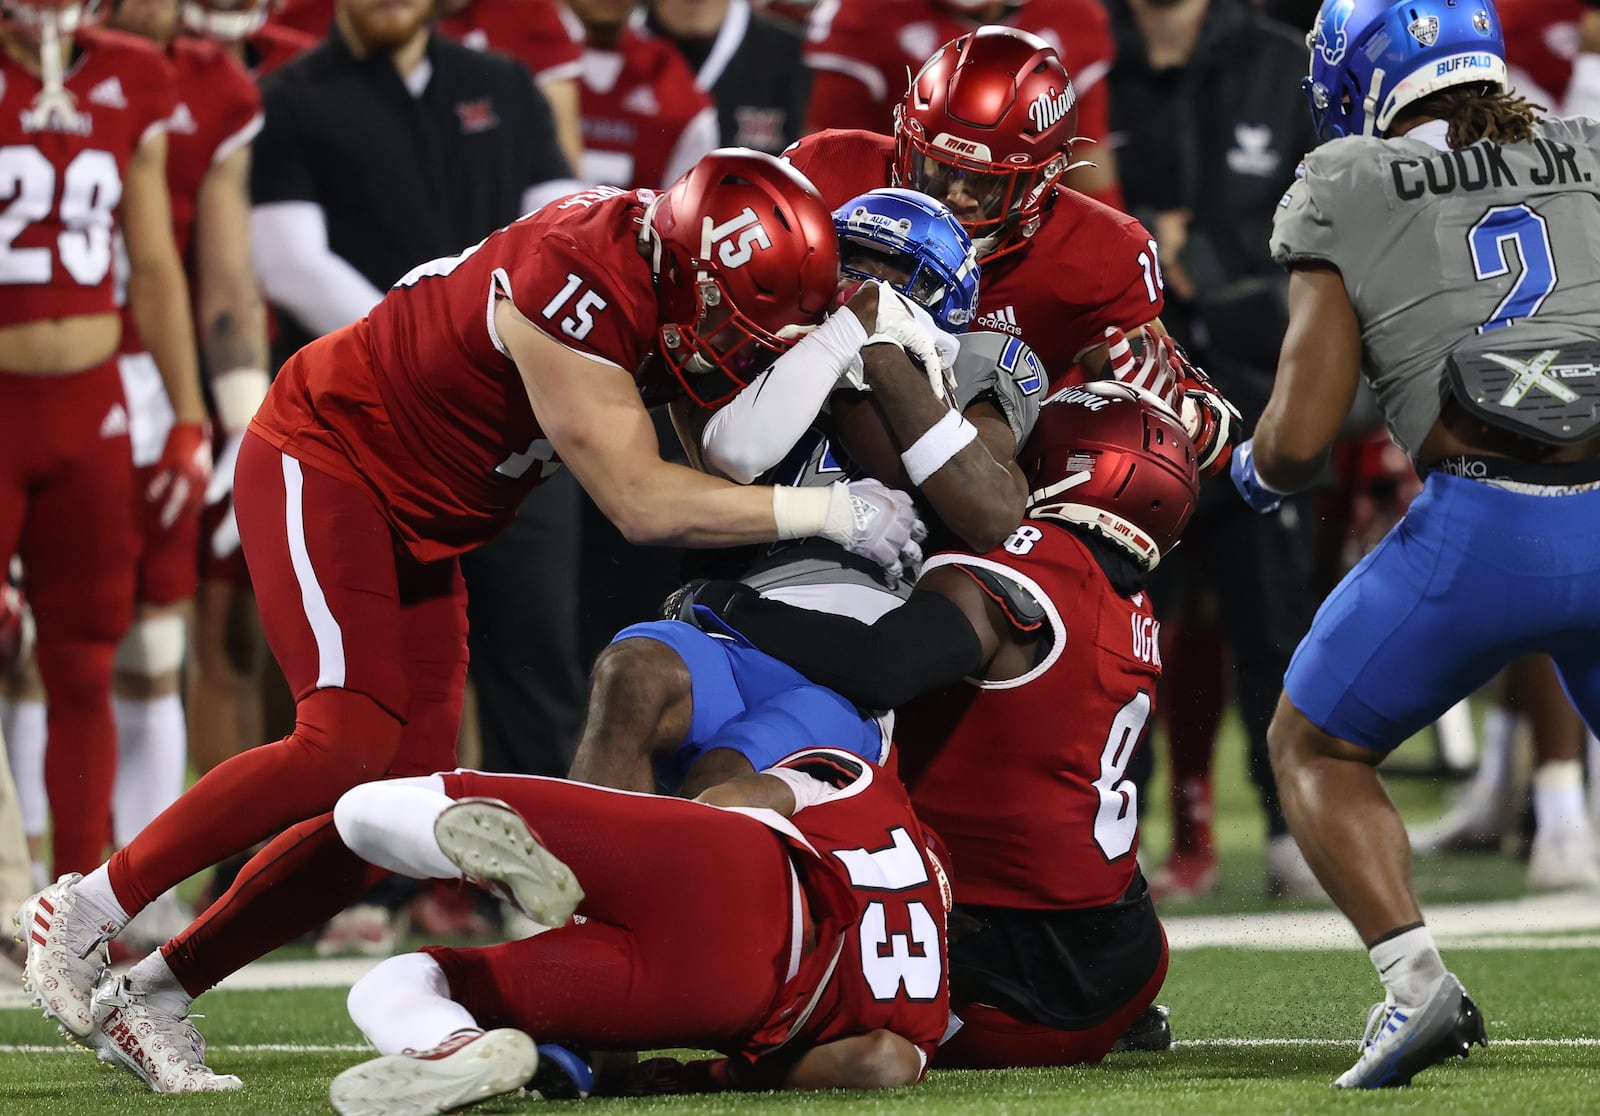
(1024, 778)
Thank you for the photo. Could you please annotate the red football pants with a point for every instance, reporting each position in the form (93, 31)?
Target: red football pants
(688, 925)
(68, 507)
(991, 1039)
(373, 644)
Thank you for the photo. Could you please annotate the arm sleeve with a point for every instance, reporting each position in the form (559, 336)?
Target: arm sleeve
(926, 642)
(299, 272)
(762, 423)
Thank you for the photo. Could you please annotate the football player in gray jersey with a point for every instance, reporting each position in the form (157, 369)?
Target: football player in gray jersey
(1445, 243)
(680, 708)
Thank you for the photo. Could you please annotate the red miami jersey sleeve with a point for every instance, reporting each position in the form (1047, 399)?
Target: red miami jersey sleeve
(1024, 778)
(862, 53)
(421, 401)
(1087, 267)
(218, 112)
(531, 31)
(645, 121)
(61, 192)
(878, 896)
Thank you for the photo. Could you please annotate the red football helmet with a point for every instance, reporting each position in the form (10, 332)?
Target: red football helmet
(1116, 460)
(987, 128)
(226, 21)
(744, 256)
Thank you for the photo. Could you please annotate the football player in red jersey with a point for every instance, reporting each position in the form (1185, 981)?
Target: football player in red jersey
(645, 120)
(1055, 949)
(384, 451)
(218, 113)
(242, 26)
(987, 128)
(799, 930)
(83, 115)
(860, 52)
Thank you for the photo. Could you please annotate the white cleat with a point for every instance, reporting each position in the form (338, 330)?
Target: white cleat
(164, 1050)
(1288, 874)
(66, 957)
(466, 1068)
(1400, 1042)
(1478, 822)
(1564, 858)
(495, 849)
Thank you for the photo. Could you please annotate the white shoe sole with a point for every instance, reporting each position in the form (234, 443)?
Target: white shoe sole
(490, 842)
(401, 1085)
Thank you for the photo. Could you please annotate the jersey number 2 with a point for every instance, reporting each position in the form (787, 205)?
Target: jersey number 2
(91, 187)
(1505, 225)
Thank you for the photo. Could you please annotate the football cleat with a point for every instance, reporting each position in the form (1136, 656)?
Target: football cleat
(564, 1073)
(464, 1069)
(1563, 856)
(495, 849)
(1150, 1033)
(1401, 1042)
(164, 1050)
(66, 957)
(1288, 874)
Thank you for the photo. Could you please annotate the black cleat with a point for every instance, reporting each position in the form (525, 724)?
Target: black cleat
(1150, 1033)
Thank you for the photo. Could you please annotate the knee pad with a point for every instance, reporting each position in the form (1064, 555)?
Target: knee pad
(153, 646)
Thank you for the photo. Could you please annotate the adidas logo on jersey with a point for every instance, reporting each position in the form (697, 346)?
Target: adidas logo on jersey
(1003, 320)
(182, 121)
(108, 93)
(642, 100)
(115, 424)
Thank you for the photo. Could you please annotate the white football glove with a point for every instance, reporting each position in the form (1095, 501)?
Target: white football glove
(877, 522)
(908, 327)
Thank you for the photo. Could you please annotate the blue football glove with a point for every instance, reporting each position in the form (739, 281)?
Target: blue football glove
(1249, 482)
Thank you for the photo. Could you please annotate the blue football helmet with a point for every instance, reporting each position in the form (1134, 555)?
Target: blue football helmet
(1372, 58)
(919, 238)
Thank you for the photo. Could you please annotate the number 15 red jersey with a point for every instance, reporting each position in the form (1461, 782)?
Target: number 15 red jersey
(1024, 778)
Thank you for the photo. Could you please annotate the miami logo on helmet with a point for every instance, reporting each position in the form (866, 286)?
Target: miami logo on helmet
(1050, 108)
(1331, 41)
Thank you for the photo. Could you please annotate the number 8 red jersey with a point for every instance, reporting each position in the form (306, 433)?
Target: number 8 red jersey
(1024, 778)
(61, 190)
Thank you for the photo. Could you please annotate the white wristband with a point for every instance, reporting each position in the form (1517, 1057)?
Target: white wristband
(801, 513)
(938, 444)
(239, 393)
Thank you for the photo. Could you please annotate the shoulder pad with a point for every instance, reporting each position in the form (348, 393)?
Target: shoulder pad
(1319, 218)
(1002, 368)
(1019, 605)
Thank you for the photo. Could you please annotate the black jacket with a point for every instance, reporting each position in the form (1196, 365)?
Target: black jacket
(1219, 137)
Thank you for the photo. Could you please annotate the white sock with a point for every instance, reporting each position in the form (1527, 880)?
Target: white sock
(96, 892)
(1409, 966)
(1558, 797)
(390, 824)
(404, 1004)
(23, 723)
(152, 750)
(1499, 741)
(152, 979)
(1592, 744)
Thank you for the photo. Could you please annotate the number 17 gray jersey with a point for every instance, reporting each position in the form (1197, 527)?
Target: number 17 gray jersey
(1445, 252)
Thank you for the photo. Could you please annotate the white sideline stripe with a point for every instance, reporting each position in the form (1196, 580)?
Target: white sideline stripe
(324, 628)
(1195, 1044)
(1458, 925)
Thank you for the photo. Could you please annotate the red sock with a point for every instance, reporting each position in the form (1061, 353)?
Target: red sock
(340, 739)
(289, 888)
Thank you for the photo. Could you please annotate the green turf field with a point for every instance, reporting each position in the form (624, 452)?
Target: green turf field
(1260, 1031)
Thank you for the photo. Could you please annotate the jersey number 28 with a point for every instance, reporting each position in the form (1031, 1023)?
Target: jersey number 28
(91, 188)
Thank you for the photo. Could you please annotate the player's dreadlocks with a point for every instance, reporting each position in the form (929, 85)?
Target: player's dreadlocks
(1475, 113)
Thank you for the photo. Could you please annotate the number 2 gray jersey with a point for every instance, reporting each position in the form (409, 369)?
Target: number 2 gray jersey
(1442, 250)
